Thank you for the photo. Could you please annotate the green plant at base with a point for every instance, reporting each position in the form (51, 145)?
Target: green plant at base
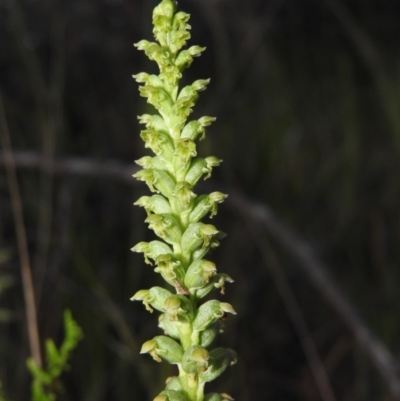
(175, 213)
(46, 382)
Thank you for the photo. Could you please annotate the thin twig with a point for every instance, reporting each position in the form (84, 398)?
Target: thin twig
(26, 273)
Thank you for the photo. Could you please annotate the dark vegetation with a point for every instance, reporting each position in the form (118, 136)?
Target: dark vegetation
(307, 94)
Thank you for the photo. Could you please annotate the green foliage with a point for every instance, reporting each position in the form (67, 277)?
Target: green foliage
(174, 213)
(46, 382)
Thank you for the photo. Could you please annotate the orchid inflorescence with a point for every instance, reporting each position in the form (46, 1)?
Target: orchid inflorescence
(175, 212)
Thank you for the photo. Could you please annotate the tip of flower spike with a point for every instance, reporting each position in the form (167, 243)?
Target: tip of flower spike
(166, 9)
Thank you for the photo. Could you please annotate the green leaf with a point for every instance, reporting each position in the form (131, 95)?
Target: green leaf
(46, 384)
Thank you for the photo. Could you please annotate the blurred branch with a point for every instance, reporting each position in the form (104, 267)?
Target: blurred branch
(314, 269)
(26, 273)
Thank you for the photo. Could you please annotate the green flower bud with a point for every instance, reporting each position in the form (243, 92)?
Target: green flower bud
(187, 98)
(171, 395)
(201, 252)
(164, 182)
(152, 163)
(205, 122)
(210, 312)
(185, 150)
(214, 243)
(208, 336)
(199, 273)
(154, 204)
(195, 359)
(178, 307)
(178, 38)
(158, 97)
(198, 235)
(146, 175)
(158, 142)
(180, 21)
(155, 297)
(141, 78)
(198, 167)
(205, 204)
(185, 57)
(162, 347)
(146, 162)
(192, 238)
(154, 52)
(218, 397)
(155, 81)
(220, 359)
(173, 383)
(210, 163)
(208, 231)
(169, 327)
(154, 122)
(187, 94)
(170, 269)
(171, 76)
(152, 250)
(157, 180)
(166, 9)
(195, 171)
(183, 191)
(217, 281)
(215, 198)
(200, 208)
(200, 84)
(191, 130)
(166, 227)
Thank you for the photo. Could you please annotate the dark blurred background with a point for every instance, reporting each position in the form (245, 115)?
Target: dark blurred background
(307, 95)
